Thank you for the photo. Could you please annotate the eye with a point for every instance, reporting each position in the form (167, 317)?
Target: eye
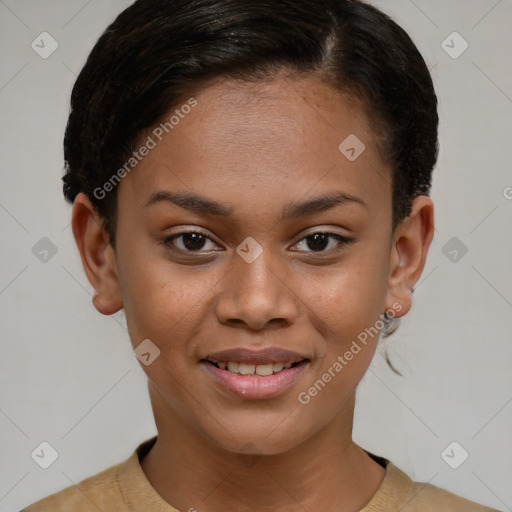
(189, 241)
(318, 242)
(197, 242)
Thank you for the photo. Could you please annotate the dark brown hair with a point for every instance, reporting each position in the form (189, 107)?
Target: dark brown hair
(157, 52)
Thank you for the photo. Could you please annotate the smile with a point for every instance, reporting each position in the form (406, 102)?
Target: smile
(255, 374)
(263, 370)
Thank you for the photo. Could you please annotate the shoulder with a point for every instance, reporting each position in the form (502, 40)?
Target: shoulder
(399, 492)
(97, 492)
(427, 497)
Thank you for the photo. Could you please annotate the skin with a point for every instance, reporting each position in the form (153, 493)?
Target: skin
(255, 148)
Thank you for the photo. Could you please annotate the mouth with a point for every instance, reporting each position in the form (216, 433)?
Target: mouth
(262, 370)
(255, 374)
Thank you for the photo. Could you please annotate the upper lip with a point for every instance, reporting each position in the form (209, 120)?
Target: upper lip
(250, 356)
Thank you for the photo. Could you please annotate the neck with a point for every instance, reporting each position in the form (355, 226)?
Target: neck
(327, 472)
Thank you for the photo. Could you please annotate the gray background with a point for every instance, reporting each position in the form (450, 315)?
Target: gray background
(68, 375)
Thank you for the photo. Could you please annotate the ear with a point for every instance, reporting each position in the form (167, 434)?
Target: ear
(409, 249)
(98, 257)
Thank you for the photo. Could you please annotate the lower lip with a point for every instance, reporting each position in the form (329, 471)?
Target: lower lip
(254, 387)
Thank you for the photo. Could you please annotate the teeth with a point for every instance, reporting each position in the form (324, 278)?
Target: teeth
(246, 369)
(233, 367)
(264, 370)
(278, 367)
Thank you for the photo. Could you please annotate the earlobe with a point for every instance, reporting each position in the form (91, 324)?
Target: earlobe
(409, 251)
(105, 307)
(97, 256)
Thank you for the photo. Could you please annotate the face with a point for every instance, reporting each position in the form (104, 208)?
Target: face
(253, 252)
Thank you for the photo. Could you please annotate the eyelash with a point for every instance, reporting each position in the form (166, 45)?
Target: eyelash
(342, 241)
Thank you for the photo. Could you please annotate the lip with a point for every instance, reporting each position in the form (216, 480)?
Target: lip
(254, 387)
(251, 356)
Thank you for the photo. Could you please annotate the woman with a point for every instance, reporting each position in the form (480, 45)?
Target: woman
(250, 182)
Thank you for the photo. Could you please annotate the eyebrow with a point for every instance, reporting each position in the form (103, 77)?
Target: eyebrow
(204, 206)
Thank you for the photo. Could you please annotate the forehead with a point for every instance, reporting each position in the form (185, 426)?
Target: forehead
(262, 143)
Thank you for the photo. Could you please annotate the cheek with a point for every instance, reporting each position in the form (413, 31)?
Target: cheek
(346, 308)
(347, 299)
(163, 300)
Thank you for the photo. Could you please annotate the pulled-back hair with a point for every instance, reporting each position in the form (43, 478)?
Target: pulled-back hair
(158, 52)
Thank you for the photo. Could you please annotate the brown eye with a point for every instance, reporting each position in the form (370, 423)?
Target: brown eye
(189, 241)
(319, 242)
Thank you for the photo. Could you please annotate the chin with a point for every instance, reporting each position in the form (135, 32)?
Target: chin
(264, 436)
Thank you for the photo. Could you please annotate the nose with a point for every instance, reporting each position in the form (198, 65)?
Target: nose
(257, 295)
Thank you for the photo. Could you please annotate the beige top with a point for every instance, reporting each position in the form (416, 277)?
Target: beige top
(125, 488)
